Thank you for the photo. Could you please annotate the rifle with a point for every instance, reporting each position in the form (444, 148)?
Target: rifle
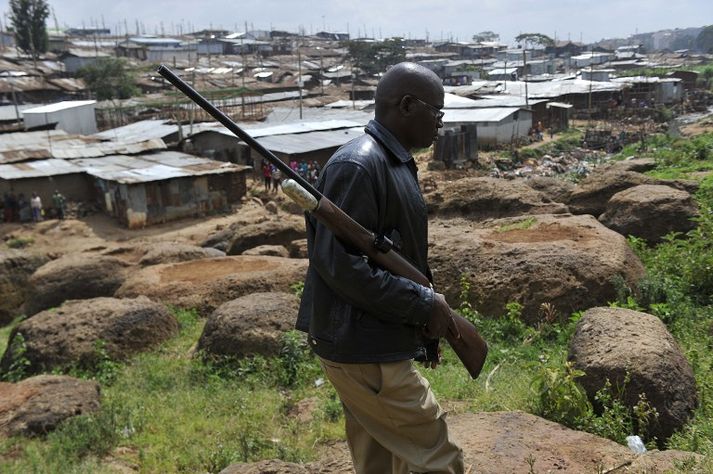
(462, 336)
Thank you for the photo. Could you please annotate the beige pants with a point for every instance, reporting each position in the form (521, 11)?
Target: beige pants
(394, 423)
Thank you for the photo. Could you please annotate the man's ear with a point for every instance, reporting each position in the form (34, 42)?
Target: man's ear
(406, 105)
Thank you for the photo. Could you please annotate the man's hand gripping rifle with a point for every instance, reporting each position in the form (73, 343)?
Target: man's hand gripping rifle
(463, 337)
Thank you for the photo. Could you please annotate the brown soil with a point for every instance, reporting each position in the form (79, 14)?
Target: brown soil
(202, 270)
(542, 233)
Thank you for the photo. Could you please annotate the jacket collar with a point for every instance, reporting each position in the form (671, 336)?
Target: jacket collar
(378, 131)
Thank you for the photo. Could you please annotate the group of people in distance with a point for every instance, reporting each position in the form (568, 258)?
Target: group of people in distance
(17, 208)
(272, 176)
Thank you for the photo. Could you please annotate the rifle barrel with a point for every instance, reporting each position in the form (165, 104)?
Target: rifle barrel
(217, 114)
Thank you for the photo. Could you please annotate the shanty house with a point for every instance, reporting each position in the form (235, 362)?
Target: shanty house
(44, 177)
(72, 116)
(150, 189)
(496, 126)
(76, 59)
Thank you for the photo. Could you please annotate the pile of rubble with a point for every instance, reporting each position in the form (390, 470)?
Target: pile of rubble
(577, 163)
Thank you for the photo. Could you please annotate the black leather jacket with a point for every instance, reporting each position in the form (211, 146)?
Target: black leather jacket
(354, 311)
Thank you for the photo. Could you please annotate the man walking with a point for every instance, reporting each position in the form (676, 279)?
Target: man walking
(367, 325)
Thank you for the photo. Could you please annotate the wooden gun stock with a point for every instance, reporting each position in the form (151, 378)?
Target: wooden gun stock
(464, 338)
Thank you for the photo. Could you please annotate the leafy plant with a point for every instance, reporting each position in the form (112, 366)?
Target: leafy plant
(298, 288)
(558, 397)
(293, 354)
(20, 364)
(19, 242)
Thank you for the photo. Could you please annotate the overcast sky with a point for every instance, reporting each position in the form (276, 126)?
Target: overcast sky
(593, 20)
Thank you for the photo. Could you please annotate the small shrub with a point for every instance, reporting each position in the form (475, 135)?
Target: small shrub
(19, 242)
(293, 354)
(20, 364)
(558, 397)
(92, 434)
(297, 288)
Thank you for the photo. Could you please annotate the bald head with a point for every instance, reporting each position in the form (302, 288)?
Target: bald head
(408, 100)
(403, 79)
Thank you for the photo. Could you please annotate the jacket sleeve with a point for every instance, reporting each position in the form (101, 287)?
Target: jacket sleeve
(346, 271)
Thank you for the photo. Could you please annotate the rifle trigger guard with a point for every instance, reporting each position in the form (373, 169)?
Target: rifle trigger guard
(382, 243)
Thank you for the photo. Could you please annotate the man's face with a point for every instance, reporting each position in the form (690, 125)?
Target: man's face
(427, 117)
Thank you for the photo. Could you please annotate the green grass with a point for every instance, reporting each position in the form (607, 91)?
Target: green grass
(169, 411)
(523, 224)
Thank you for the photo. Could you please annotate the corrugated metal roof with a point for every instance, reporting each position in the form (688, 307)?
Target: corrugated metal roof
(290, 115)
(452, 101)
(349, 104)
(490, 101)
(139, 131)
(292, 128)
(85, 53)
(644, 80)
(25, 84)
(23, 146)
(307, 142)
(154, 167)
(69, 84)
(38, 169)
(7, 112)
(495, 114)
(154, 41)
(56, 107)
(551, 89)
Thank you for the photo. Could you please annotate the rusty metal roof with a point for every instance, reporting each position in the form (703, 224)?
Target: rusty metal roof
(139, 131)
(38, 169)
(25, 84)
(154, 167)
(24, 146)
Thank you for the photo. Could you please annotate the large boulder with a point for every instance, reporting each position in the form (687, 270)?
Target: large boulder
(637, 165)
(554, 189)
(272, 250)
(37, 405)
(569, 262)
(486, 198)
(593, 192)
(241, 236)
(505, 443)
(298, 248)
(207, 283)
(74, 277)
(71, 335)
(249, 325)
(650, 212)
(174, 252)
(16, 267)
(610, 343)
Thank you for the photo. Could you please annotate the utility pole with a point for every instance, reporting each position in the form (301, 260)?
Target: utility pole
(524, 74)
(321, 68)
(351, 66)
(299, 73)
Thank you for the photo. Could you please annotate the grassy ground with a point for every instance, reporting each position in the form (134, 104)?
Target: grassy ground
(167, 411)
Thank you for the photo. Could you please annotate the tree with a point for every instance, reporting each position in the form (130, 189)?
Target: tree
(486, 37)
(704, 41)
(28, 19)
(373, 58)
(109, 79)
(535, 38)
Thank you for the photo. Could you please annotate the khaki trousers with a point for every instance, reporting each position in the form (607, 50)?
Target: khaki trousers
(393, 422)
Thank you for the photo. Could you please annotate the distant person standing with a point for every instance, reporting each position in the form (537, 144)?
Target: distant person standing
(276, 178)
(36, 207)
(266, 174)
(59, 202)
(7, 206)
